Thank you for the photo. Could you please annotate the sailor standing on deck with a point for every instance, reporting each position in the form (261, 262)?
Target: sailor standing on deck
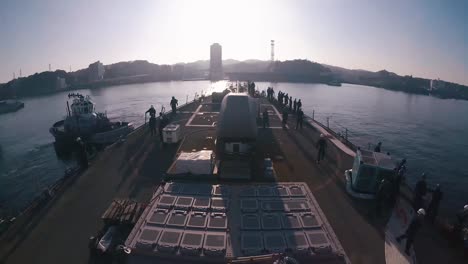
(266, 120)
(382, 196)
(413, 228)
(174, 103)
(433, 208)
(300, 119)
(152, 125)
(295, 105)
(378, 147)
(285, 117)
(419, 191)
(299, 104)
(163, 121)
(151, 111)
(290, 103)
(321, 146)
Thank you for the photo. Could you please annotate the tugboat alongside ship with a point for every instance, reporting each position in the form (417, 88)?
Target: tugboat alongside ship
(84, 122)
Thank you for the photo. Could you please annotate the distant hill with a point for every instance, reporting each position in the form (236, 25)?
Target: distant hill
(255, 70)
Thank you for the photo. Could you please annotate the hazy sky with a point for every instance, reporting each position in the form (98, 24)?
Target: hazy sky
(424, 38)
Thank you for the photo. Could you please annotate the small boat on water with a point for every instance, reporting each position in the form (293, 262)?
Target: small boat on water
(334, 83)
(83, 121)
(7, 106)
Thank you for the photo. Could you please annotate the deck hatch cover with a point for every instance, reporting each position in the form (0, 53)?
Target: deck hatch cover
(191, 243)
(184, 202)
(274, 242)
(201, 203)
(217, 221)
(309, 220)
(148, 238)
(249, 205)
(297, 205)
(166, 201)
(248, 191)
(291, 221)
(169, 240)
(177, 218)
(159, 217)
(219, 204)
(296, 240)
(215, 244)
(281, 191)
(318, 241)
(251, 243)
(250, 222)
(197, 220)
(265, 191)
(271, 222)
(273, 206)
(296, 190)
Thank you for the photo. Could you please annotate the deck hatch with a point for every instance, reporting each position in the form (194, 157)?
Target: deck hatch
(250, 222)
(297, 191)
(177, 218)
(166, 201)
(248, 191)
(273, 206)
(309, 220)
(159, 217)
(318, 241)
(197, 220)
(281, 191)
(249, 205)
(252, 243)
(184, 202)
(169, 240)
(274, 242)
(219, 204)
(148, 238)
(265, 191)
(215, 244)
(192, 243)
(201, 203)
(217, 221)
(290, 221)
(271, 222)
(297, 205)
(296, 241)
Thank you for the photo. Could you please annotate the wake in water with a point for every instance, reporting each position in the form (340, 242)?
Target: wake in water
(24, 176)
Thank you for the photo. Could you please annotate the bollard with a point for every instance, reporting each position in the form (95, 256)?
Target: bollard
(186, 99)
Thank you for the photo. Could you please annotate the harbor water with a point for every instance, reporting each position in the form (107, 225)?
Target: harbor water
(430, 132)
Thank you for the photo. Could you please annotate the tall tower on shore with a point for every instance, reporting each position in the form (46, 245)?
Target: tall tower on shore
(272, 50)
(216, 62)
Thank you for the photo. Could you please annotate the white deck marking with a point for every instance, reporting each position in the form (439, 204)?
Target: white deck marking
(279, 116)
(193, 116)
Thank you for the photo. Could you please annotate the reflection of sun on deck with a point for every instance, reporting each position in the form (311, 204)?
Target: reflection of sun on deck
(134, 169)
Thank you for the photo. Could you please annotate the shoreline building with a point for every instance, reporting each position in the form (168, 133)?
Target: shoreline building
(216, 62)
(96, 71)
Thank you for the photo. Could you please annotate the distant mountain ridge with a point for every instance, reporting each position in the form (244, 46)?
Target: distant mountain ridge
(256, 70)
